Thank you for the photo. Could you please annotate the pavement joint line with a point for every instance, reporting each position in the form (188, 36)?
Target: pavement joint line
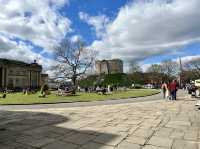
(122, 140)
(148, 139)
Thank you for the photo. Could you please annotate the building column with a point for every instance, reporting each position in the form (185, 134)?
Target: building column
(2, 77)
(39, 78)
(5, 77)
(30, 83)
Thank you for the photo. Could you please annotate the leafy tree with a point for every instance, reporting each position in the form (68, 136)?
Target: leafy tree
(119, 79)
(157, 78)
(89, 81)
(189, 75)
(137, 78)
(105, 80)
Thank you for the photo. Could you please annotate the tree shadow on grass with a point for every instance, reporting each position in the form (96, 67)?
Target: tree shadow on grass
(35, 130)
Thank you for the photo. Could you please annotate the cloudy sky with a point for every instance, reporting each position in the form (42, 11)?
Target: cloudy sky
(149, 31)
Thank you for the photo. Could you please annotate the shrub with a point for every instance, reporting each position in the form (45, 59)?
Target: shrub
(120, 79)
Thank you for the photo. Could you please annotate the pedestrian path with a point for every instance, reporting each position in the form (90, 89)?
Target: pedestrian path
(157, 124)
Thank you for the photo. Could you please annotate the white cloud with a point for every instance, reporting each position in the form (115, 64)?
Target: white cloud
(150, 28)
(34, 20)
(24, 52)
(188, 59)
(5, 44)
(184, 60)
(145, 67)
(75, 38)
(140, 29)
(98, 23)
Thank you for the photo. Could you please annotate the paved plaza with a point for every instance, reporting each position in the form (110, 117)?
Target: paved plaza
(151, 124)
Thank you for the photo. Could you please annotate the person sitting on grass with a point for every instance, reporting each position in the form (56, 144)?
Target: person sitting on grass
(42, 95)
(4, 94)
(24, 91)
(43, 91)
(27, 91)
(104, 90)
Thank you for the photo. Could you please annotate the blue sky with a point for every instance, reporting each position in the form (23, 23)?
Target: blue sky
(189, 50)
(94, 8)
(140, 30)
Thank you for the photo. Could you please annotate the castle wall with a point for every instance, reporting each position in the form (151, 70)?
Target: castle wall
(109, 66)
(104, 67)
(98, 67)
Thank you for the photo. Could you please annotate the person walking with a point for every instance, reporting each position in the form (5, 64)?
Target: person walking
(168, 92)
(173, 89)
(164, 89)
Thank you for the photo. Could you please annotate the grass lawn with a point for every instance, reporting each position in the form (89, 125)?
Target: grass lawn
(19, 98)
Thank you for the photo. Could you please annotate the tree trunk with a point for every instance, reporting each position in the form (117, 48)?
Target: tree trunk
(74, 85)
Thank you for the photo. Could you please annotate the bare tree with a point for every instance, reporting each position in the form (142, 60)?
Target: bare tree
(134, 67)
(73, 60)
(155, 68)
(194, 66)
(169, 67)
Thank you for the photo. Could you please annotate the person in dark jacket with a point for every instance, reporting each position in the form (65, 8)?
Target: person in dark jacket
(173, 88)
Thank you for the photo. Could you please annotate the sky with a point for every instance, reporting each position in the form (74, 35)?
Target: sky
(147, 31)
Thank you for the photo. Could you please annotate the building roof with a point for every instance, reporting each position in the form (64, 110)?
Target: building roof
(18, 63)
(104, 60)
(44, 75)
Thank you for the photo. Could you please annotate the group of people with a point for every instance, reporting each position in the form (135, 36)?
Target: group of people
(170, 90)
(99, 89)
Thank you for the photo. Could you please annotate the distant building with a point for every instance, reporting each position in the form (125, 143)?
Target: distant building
(44, 79)
(53, 84)
(17, 74)
(109, 66)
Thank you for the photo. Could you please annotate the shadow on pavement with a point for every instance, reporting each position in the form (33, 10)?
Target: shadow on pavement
(31, 130)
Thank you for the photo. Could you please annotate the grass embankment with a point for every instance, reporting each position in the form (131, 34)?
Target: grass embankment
(19, 98)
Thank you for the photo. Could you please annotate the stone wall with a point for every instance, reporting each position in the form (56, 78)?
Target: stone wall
(16, 74)
(17, 77)
(109, 66)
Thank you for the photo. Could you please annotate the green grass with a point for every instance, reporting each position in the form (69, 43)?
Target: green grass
(19, 98)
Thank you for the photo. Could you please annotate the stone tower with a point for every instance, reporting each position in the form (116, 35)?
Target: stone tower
(109, 66)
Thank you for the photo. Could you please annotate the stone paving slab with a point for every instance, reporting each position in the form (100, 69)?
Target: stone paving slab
(177, 134)
(60, 145)
(128, 145)
(161, 142)
(152, 147)
(148, 125)
(182, 144)
(136, 140)
(34, 142)
(93, 145)
(109, 139)
(144, 133)
(164, 132)
(78, 138)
